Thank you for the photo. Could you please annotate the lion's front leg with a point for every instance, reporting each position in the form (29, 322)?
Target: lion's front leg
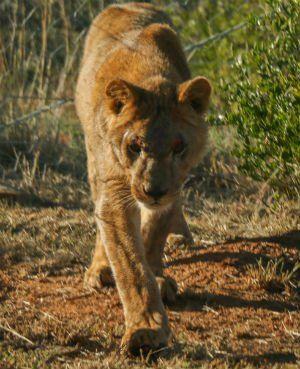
(156, 226)
(145, 317)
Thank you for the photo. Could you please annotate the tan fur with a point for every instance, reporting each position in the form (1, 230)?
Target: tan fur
(143, 122)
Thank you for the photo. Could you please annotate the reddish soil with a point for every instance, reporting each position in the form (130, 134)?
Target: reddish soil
(219, 309)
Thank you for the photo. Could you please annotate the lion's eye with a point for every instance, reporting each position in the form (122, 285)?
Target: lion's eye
(135, 146)
(178, 146)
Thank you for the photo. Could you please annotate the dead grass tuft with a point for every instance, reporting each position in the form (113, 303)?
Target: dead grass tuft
(276, 276)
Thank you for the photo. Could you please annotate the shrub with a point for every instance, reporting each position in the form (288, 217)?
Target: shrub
(263, 99)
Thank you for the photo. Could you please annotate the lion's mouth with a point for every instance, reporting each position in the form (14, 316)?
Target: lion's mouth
(153, 206)
(150, 203)
(161, 204)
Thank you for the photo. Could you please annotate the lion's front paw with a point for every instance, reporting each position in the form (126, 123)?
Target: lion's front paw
(143, 340)
(95, 279)
(168, 289)
(177, 240)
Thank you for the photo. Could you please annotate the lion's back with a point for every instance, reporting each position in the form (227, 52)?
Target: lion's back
(115, 28)
(114, 25)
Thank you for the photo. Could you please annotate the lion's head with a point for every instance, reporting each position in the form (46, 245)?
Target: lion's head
(158, 134)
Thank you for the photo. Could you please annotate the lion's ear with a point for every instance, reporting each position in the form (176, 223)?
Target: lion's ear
(120, 93)
(197, 93)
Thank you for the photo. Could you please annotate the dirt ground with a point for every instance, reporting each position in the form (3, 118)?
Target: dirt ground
(229, 312)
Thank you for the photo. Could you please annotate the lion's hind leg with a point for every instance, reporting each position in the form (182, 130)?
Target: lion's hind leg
(179, 233)
(99, 273)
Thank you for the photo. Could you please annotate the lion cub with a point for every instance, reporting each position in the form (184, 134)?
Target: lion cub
(144, 130)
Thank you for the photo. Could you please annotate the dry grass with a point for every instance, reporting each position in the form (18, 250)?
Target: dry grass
(277, 275)
(225, 318)
(226, 315)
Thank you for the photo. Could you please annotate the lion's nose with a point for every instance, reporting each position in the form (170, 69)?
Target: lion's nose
(154, 192)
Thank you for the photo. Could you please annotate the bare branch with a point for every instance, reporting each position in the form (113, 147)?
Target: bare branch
(15, 333)
(215, 37)
(26, 97)
(35, 113)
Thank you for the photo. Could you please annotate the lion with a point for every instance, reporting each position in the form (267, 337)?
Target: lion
(143, 118)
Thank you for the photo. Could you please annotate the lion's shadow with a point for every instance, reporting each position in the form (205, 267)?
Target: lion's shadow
(195, 302)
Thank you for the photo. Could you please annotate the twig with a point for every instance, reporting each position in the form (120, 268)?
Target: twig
(215, 37)
(35, 113)
(15, 333)
(291, 333)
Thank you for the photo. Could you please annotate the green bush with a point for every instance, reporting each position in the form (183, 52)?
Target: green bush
(263, 98)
